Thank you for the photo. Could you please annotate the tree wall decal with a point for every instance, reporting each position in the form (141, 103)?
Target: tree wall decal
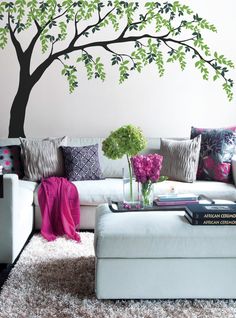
(50, 20)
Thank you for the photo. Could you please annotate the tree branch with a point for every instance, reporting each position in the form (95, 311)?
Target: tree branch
(52, 47)
(120, 54)
(77, 36)
(29, 50)
(179, 27)
(71, 48)
(16, 43)
(61, 61)
(182, 42)
(39, 71)
(58, 16)
(40, 29)
(134, 23)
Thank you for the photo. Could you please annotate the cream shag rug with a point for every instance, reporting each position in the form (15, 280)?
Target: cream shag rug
(56, 279)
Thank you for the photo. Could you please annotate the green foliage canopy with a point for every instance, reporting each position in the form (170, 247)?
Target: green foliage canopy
(177, 32)
(126, 140)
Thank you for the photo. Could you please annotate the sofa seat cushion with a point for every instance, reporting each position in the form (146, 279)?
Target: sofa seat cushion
(212, 189)
(94, 192)
(159, 235)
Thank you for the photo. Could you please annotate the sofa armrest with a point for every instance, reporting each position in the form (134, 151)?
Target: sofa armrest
(234, 169)
(8, 207)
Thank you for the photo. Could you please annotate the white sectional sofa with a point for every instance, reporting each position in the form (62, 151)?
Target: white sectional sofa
(20, 213)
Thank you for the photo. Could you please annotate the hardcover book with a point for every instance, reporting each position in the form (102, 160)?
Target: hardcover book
(211, 211)
(177, 197)
(174, 202)
(210, 221)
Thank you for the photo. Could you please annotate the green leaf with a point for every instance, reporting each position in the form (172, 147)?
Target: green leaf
(160, 63)
(99, 68)
(221, 59)
(20, 7)
(228, 89)
(44, 40)
(178, 55)
(3, 37)
(203, 24)
(88, 63)
(124, 71)
(162, 178)
(113, 19)
(63, 30)
(201, 65)
(69, 72)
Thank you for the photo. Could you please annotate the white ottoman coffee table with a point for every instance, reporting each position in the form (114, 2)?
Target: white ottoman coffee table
(150, 255)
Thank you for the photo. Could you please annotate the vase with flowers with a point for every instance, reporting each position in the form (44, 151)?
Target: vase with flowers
(147, 170)
(126, 141)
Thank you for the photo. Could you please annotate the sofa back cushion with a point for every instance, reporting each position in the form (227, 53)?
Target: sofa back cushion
(110, 168)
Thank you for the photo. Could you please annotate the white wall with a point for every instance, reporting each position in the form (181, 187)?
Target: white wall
(165, 107)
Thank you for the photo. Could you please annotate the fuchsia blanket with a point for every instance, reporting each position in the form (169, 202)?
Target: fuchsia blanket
(60, 209)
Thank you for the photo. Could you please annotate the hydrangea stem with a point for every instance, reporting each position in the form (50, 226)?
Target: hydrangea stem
(130, 178)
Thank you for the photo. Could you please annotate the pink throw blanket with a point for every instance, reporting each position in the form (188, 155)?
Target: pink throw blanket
(60, 209)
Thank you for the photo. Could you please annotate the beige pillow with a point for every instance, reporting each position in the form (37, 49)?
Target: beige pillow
(180, 158)
(42, 158)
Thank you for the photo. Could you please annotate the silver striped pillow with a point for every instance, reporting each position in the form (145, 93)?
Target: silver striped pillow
(180, 158)
(42, 158)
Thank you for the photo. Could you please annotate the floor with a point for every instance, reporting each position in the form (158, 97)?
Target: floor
(5, 269)
(4, 272)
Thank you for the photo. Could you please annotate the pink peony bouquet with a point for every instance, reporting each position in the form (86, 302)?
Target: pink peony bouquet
(147, 167)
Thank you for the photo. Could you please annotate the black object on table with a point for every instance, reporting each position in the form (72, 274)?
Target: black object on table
(118, 207)
(1, 186)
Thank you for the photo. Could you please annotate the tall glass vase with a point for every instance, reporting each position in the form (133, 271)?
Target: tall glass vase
(130, 189)
(147, 194)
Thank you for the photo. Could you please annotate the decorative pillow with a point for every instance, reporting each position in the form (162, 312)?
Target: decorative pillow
(197, 131)
(10, 160)
(180, 158)
(217, 148)
(42, 158)
(82, 163)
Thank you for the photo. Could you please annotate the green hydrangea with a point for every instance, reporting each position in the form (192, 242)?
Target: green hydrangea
(127, 140)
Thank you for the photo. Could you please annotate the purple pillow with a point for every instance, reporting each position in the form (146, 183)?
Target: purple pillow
(10, 160)
(217, 148)
(82, 163)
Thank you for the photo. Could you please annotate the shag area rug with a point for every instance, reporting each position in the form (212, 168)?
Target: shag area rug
(56, 280)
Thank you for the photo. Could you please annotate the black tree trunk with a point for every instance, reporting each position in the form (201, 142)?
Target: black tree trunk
(18, 109)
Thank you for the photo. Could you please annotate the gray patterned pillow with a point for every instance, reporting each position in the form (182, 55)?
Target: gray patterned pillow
(42, 158)
(180, 158)
(82, 163)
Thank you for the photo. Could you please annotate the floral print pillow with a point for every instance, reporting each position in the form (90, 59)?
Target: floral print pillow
(217, 148)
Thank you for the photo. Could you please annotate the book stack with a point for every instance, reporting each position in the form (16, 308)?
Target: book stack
(211, 214)
(176, 199)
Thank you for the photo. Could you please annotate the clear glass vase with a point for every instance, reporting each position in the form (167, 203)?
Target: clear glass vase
(130, 189)
(147, 194)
